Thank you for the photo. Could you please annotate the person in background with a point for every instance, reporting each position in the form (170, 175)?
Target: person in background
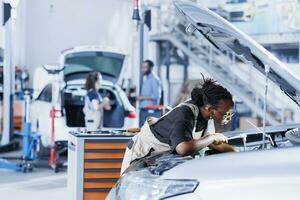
(94, 103)
(150, 93)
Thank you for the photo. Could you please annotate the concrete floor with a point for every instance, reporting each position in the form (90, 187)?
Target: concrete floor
(41, 184)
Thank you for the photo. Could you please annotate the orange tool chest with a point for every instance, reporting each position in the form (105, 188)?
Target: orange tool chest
(94, 163)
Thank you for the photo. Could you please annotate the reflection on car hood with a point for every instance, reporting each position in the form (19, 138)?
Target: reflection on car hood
(229, 166)
(158, 164)
(226, 37)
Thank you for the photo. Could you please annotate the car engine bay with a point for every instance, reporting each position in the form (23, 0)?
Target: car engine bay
(283, 136)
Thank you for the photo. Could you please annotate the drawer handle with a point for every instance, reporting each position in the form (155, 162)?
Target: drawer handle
(71, 146)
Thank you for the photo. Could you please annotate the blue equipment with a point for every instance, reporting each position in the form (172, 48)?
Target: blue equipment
(30, 143)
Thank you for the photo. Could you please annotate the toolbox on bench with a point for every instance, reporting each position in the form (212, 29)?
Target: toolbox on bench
(94, 163)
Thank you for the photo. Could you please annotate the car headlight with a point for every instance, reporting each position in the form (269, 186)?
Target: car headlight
(143, 185)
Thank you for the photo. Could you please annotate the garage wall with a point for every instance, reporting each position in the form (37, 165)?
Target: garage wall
(46, 27)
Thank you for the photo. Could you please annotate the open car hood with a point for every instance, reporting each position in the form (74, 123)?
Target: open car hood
(226, 37)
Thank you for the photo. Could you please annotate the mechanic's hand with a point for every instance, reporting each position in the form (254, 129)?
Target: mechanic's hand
(107, 107)
(219, 138)
(105, 100)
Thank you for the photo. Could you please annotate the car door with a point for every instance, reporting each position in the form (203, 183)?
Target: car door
(40, 114)
(115, 117)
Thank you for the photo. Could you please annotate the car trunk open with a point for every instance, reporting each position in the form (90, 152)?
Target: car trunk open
(107, 63)
(77, 67)
(73, 104)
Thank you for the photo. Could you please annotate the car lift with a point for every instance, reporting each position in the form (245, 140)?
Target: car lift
(30, 140)
(54, 162)
(30, 143)
(8, 81)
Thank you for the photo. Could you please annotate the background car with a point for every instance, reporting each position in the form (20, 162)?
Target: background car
(70, 93)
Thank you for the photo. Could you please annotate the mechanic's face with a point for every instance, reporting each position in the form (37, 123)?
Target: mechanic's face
(98, 83)
(146, 68)
(223, 112)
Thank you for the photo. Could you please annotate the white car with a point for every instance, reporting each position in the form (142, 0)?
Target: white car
(263, 169)
(251, 174)
(69, 93)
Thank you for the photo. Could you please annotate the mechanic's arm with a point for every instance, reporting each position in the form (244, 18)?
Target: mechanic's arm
(224, 147)
(104, 104)
(195, 145)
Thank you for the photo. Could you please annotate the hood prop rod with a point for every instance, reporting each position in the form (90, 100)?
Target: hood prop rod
(267, 70)
(264, 134)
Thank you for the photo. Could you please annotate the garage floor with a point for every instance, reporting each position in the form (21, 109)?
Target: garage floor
(41, 184)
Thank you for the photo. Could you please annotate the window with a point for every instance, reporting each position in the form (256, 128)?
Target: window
(107, 63)
(46, 94)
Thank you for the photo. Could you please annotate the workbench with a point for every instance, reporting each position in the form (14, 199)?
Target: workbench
(94, 163)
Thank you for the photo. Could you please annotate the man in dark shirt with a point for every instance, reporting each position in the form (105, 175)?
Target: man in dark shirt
(151, 90)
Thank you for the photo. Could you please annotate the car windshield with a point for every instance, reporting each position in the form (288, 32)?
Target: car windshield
(106, 63)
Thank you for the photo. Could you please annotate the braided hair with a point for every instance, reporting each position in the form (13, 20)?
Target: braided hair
(210, 93)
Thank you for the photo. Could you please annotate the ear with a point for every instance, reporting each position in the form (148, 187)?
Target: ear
(208, 108)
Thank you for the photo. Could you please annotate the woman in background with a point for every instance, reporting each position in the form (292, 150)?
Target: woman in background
(94, 103)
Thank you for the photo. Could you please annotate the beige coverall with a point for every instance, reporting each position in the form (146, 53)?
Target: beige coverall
(145, 143)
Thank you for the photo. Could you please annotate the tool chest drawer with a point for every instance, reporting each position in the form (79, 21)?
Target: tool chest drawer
(94, 164)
